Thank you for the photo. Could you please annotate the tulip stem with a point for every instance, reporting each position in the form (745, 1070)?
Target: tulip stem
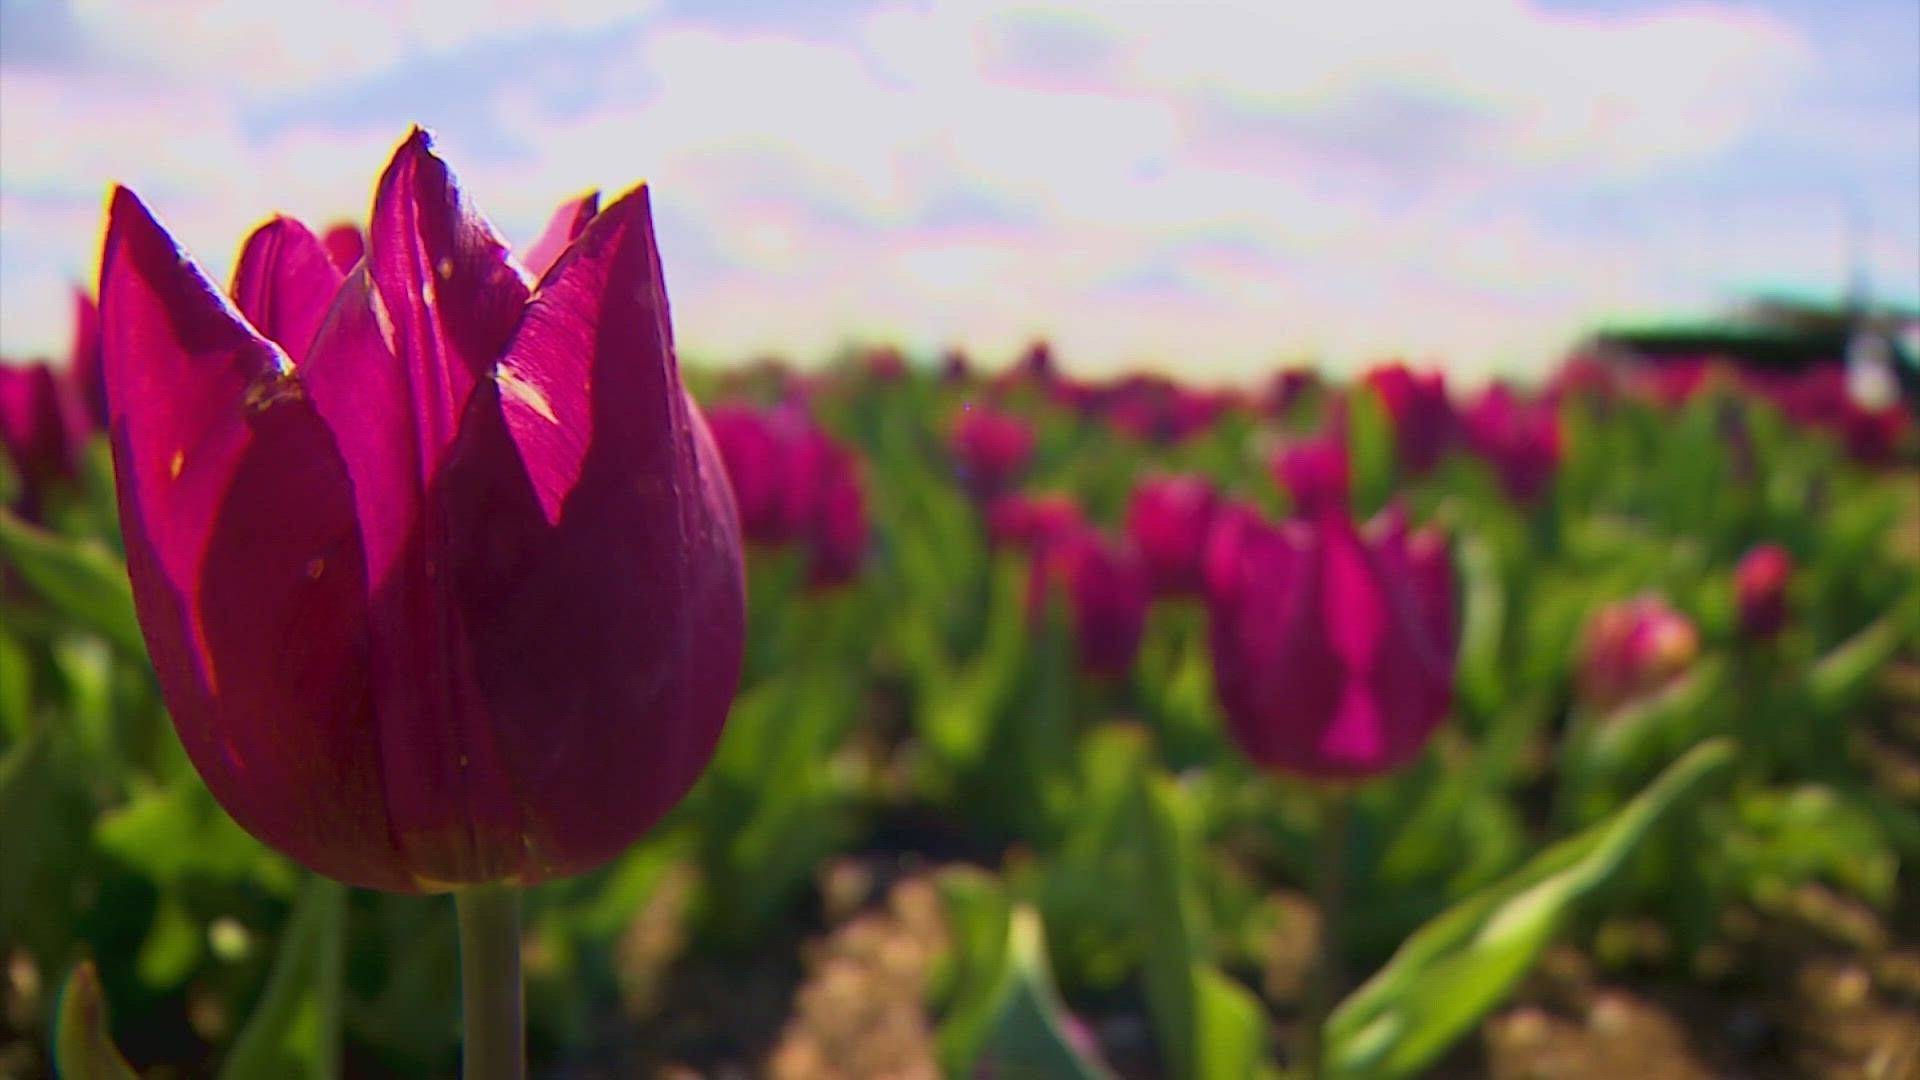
(1329, 895)
(491, 1009)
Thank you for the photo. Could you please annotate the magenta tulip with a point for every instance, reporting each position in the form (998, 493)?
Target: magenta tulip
(438, 566)
(990, 449)
(345, 245)
(1235, 526)
(1314, 474)
(1633, 648)
(794, 484)
(43, 429)
(1760, 590)
(1333, 649)
(1169, 519)
(83, 362)
(1422, 415)
(1032, 521)
(1520, 440)
(1107, 591)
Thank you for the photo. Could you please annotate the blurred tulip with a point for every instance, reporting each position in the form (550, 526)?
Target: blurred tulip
(1422, 414)
(827, 507)
(1030, 521)
(1107, 591)
(794, 484)
(1632, 648)
(43, 429)
(1287, 387)
(439, 570)
(1315, 474)
(83, 362)
(1760, 589)
(955, 367)
(1333, 650)
(1520, 440)
(1235, 525)
(886, 364)
(345, 245)
(990, 449)
(754, 460)
(1169, 519)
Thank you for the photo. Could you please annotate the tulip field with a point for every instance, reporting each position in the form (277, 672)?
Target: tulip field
(1320, 726)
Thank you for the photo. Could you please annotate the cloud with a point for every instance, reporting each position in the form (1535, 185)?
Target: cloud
(1215, 184)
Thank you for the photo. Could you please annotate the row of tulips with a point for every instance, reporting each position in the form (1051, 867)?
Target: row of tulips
(446, 584)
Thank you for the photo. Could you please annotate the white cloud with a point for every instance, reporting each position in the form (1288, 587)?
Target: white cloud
(263, 49)
(1271, 176)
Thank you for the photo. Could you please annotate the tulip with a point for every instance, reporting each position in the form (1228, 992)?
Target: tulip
(43, 429)
(1422, 415)
(1107, 590)
(828, 508)
(1334, 649)
(793, 483)
(1169, 519)
(1287, 387)
(1315, 473)
(1520, 441)
(1032, 521)
(83, 362)
(1760, 590)
(438, 566)
(955, 367)
(1633, 648)
(1234, 527)
(345, 245)
(990, 449)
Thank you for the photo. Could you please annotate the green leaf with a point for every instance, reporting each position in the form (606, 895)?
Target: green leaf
(1007, 1021)
(294, 1031)
(178, 832)
(83, 1042)
(1209, 1027)
(81, 580)
(1458, 967)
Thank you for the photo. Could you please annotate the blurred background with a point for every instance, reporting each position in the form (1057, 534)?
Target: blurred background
(1209, 189)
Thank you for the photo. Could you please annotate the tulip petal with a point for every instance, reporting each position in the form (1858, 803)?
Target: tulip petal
(417, 324)
(603, 588)
(566, 224)
(243, 555)
(284, 284)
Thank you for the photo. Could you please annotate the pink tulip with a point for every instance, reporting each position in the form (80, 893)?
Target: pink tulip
(1169, 519)
(1521, 441)
(1422, 414)
(438, 567)
(1633, 648)
(1107, 591)
(1334, 650)
(990, 450)
(1760, 589)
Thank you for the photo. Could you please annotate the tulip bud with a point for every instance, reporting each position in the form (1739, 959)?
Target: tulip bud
(990, 449)
(346, 246)
(1169, 519)
(1032, 521)
(1633, 648)
(1235, 525)
(1520, 441)
(1334, 650)
(1760, 587)
(1108, 593)
(438, 569)
(1423, 417)
(43, 429)
(1314, 473)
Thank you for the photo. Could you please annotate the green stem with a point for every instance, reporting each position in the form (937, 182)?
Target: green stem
(1329, 895)
(492, 1015)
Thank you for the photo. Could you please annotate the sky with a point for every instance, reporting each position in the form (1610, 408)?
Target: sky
(1211, 187)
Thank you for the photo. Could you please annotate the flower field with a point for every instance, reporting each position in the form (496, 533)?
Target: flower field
(1365, 727)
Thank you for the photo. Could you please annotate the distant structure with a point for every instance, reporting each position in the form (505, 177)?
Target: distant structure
(1781, 336)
